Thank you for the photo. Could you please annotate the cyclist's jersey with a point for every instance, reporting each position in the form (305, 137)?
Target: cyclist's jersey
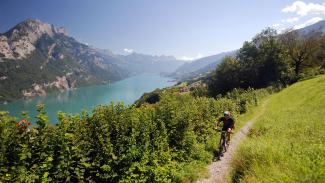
(227, 123)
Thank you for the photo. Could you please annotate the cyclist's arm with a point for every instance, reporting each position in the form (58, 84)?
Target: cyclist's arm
(233, 125)
(217, 124)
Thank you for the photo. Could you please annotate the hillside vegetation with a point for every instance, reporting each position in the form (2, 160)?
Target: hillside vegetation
(170, 141)
(287, 143)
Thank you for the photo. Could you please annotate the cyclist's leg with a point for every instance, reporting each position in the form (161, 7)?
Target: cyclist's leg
(228, 138)
(224, 141)
(220, 141)
(221, 144)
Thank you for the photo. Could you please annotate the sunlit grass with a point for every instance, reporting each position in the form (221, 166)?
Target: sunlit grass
(287, 143)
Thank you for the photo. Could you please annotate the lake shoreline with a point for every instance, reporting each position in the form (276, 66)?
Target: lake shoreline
(87, 97)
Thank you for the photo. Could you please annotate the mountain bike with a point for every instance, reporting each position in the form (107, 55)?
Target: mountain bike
(223, 143)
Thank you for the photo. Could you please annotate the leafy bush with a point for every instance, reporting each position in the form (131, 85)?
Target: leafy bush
(199, 92)
(149, 98)
(163, 142)
(246, 98)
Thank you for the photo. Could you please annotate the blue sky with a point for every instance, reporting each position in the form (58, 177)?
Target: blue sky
(184, 28)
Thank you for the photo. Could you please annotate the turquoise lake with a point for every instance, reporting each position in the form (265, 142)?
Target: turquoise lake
(127, 91)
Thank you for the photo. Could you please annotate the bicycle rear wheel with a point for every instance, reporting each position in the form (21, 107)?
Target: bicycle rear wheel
(223, 144)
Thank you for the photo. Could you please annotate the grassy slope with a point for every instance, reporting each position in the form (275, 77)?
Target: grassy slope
(287, 144)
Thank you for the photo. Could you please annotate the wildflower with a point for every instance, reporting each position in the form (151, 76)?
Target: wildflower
(23, 124)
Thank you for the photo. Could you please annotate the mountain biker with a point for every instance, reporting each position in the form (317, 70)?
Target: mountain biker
(228, 124)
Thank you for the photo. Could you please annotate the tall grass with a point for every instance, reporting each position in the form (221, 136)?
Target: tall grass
(287, 143)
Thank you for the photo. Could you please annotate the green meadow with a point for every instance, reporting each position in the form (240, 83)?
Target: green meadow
(287, 143)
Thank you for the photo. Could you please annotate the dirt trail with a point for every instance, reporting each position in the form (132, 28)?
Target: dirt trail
(220, 169)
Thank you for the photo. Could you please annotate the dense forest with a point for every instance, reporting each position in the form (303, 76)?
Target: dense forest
(164, 140)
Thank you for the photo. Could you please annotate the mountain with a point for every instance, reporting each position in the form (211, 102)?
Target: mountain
(199, 66)
(318, 27)
(138, 63)
(37, 57)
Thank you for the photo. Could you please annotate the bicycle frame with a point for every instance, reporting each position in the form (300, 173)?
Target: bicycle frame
(223, 142)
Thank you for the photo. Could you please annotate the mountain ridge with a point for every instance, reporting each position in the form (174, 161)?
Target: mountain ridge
(316, 27)
(37, 57)
(199, 66)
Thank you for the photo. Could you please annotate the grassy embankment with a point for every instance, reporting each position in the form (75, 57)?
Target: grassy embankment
(287, 143)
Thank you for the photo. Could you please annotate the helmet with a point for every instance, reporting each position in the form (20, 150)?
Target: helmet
(226, 113)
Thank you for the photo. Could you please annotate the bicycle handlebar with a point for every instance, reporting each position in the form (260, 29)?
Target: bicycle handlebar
(220, 130)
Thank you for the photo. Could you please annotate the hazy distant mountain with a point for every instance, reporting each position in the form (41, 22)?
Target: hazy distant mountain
(199, 66)
(137, 63)
(140, 63)
(317, 27)
(37, 57)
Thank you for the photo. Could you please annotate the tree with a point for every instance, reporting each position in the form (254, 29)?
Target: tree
(225, 77)
(261, 61)
(319, 55)
(272, 65)
(298, 48)
(249, 64)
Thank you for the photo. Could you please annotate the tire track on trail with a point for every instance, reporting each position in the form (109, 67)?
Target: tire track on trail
(219, 170)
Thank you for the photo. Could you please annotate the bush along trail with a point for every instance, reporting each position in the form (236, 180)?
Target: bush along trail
(170, 141)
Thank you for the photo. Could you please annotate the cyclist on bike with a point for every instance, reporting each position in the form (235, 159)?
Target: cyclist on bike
(228, 124)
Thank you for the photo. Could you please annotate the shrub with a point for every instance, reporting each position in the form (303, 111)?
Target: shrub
(152, 143)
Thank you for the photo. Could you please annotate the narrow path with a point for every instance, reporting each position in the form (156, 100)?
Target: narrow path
(220, 169)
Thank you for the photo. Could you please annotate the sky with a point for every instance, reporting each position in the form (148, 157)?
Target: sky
(187, 29)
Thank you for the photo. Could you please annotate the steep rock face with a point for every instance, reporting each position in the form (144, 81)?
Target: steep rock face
(5, 50)
(61, 83)
(36, 57)
(36, 90)
(19, 41)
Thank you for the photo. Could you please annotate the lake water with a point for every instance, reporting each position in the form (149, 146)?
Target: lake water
(127, 91)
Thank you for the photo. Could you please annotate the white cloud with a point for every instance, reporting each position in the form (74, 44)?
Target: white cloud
(276, 25)
(308, 22)
(127, 50)
(302, 9)
(290, 20)
(186, 58)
